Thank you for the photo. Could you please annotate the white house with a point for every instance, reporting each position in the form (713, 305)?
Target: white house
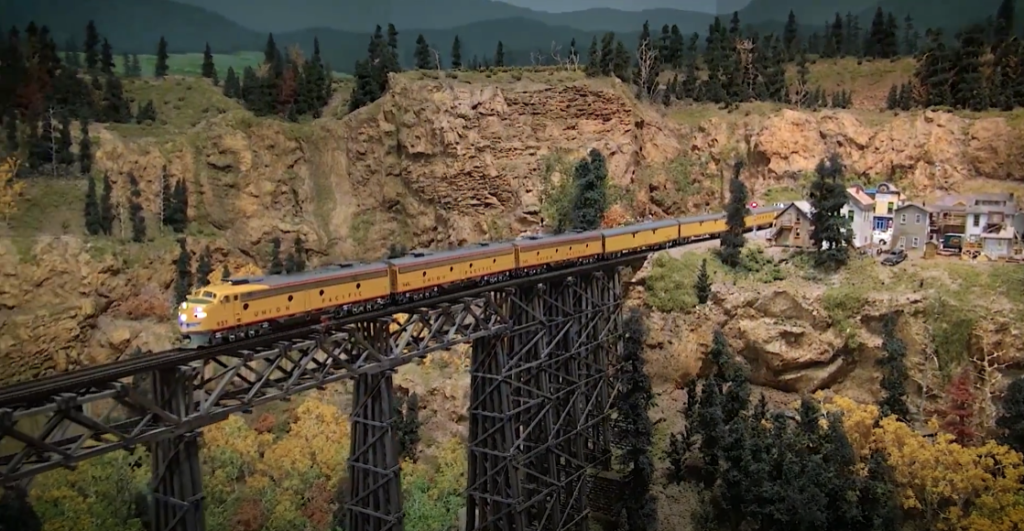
(860, 210)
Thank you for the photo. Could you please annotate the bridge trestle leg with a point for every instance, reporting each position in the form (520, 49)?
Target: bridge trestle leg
(375, 494)
(493, 495)
(177, 482)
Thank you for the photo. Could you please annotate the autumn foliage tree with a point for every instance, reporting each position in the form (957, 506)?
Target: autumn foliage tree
(957, 412)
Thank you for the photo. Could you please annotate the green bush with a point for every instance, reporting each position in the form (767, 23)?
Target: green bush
(671, 280)
(842, 303)
(951, 327)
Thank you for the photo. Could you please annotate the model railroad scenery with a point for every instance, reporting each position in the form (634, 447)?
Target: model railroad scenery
(504, 265)
(247, 307)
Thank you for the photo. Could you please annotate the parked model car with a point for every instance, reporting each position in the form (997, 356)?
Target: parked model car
(895, 257)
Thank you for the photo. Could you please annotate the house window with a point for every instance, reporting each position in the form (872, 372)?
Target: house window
(890, 208)
(903, 219)
(917, 219)
(867, 216)
(849, 215)
(977, 220)
(915, 242)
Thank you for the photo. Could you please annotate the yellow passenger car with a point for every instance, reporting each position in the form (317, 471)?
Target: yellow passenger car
(700, 227)
(762, 218)
(540, 251)
(425, 272)
(248, 307)
(643, 236)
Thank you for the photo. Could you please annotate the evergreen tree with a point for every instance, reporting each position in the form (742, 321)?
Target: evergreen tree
(736, 211)
(116, 108)
(894, 373)
(590, 199)
(183, 273)
(16, 512)
(107, 206)
(65, 157)
(11, 132)
(969, 85)
(107, 58)
(276, 266)
(179, 213)
(225, 273)
(791, 36)
(634, 428)
(456, 54)
(161, 68)
(93, 224)
(499, 54)
(407, 425)
(204, 268)
(209, 70)
(423, 56)
(831, 232)
(1011, 417)
(703, 284)
(392, 61)
(71, 58)
(146, 113)
(1004, 23)
(892, 100)
(126, 65)
(299, 255)
(85, 150)
(136, 67)
(910, 36)
(138, 221)
(91, 45)
(232, 87)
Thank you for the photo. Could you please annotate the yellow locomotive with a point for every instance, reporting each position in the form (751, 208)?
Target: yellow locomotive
(250, 307)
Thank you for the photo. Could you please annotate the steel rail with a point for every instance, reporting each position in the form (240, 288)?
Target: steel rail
(38, 390)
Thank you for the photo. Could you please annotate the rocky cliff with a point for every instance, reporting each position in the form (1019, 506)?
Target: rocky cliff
(434, 163)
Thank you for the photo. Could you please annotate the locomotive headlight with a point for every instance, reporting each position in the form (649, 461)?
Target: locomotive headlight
(184, 306)
(199, 313)
(182, 317)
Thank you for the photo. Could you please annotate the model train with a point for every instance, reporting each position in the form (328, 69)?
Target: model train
(249, 307)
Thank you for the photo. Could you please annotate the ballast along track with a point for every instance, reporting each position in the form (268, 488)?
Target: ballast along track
(176, 392)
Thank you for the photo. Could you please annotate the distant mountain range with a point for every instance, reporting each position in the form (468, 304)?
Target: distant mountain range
(135, 26)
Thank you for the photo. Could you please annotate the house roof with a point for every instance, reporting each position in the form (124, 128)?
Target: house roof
(969, 203)
(801, 206)
(858, 196)
(1003, 232)
(914, 205)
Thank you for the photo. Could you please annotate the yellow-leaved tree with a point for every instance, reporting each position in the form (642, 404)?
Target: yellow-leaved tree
(10, 188)
(432, 492)
(98, 495)
(941, 484)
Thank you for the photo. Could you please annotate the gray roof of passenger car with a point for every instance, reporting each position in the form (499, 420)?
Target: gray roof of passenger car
(479, 248)
(315, 274)
(651, 225)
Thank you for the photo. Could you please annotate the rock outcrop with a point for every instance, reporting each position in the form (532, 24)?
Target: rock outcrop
(439, 164)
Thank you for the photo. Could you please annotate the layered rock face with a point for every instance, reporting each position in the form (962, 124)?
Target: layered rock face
(438, 164)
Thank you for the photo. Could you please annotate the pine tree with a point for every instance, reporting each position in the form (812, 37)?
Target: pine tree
(1004, 23)
(791, 36)
(225, 273)
(590, 200)
(456, 54)
(209, 70)
(703, 284)
(635, 432)
(736, 211)
(830, 232)
(179, 213)
(71, 58)
(92, 42)
(107, 206)
(146, 113)
(232, 88)
(107, 58)
(422, 55)
(204, 268)
(136, 67)
(116, 108)
(65, 157)
(892, 101)
(894, 372)
(499, 54)
(183, 273)
(969, 85)
(126, 65)
(1011, 417)
(11, 132)
(167, 204)
(299, 255)
(93, 224)
(138, 221)
(161, 68)
(910, 36)
(276, 266)
(392, 62)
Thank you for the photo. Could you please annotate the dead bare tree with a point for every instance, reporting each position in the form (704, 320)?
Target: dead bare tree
(52, 117)
(989, 367)
(745, 52)
(556, 52)
(537, 58)
(646, 56)
(437, 62)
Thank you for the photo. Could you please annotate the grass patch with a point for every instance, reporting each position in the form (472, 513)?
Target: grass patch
(843, 303)
(670, 284)
(181, 104)
(361, 226)
(49, 206)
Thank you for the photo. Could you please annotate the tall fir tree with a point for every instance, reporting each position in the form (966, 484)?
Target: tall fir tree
(91, 47)
(702, 286)
(85, 156)
(276, 266)
(204, 268)
(107, 58)
(499, 55)
(456, 54)
(894, 372)
(590, 195)
(732, 240)
(830, 233)
(138, 220)
(791, 36)
(107, 206)
(635, 429)
(208, 70)
(422, 55)
(161, 69)
(93, 224)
